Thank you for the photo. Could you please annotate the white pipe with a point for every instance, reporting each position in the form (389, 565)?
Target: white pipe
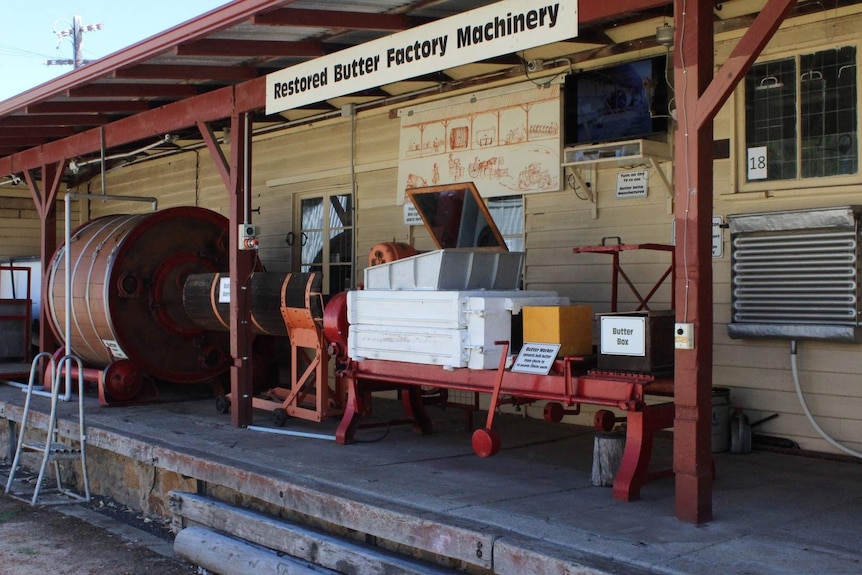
(246, 168)
(12, 179)
(292, 433)
(67, 261)
(353, 234)
(102, 158)
(167, 139)
(794, 370)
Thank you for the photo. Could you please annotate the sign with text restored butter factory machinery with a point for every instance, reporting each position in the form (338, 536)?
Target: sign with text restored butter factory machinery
(499, 28)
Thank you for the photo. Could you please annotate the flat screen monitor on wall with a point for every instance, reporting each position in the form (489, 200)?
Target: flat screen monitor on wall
(623, 102)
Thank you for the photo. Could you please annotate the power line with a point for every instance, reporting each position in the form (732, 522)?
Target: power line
(7, 50)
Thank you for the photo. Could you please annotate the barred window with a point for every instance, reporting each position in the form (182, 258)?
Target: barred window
(801, 117)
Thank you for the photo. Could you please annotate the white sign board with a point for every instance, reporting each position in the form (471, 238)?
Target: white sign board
(757, 163)
(536, 358)
(114, 349)
(505, 27)
(224, 290)
(632, 184)
(623, 335)
(717, 238)
(411, 215)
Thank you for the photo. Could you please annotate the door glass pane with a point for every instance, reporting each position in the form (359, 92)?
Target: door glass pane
(340, 245)
(327, 240)
(312, 248)
(312, 214)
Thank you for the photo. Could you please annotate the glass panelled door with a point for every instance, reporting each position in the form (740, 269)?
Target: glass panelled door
(326, 232)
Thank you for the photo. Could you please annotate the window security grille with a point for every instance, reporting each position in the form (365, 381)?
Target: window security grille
(795, 274)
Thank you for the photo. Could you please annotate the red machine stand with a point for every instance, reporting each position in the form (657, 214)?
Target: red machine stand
(569, 383)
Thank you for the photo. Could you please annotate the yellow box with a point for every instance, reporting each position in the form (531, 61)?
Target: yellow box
(570, 325)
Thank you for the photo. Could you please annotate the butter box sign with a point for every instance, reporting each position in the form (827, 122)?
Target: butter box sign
(623, 335)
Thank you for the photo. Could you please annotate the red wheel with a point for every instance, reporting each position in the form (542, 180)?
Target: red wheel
(554, 412)
(123, 380)
(604, 420)
(486, 442)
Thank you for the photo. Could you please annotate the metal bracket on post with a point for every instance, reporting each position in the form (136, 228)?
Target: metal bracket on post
(587, 187)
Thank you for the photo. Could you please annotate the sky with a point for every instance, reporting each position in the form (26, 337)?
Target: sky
(28, 37)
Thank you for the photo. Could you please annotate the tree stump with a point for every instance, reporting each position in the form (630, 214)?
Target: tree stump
(607, 455)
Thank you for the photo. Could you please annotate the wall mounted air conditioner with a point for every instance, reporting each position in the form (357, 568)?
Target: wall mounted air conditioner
(795, 274)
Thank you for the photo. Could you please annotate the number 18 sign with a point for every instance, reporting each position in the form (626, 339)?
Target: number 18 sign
(757, 163)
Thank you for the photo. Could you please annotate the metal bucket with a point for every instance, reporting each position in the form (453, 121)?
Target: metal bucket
(720, 419)
(127, 275)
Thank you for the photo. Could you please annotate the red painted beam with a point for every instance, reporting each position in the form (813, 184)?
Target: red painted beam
(21, 140)
(241, 265)
(216, 153)
(214, 105)
(699, 97)
(91, 107)
(742, 57)
(251, 48)
(594, 11)
(334, 19)
(134, 91)
(251, 95)
(177, 72)
(44, 132)
(693, 194)
(53, 120)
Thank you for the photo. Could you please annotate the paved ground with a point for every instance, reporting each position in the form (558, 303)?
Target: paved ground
(82, 540)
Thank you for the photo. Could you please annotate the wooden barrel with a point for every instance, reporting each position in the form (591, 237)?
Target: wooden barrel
(127, 276)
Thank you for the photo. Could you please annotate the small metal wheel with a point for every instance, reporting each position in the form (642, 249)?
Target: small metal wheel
(604, 420)
(222, 404)
(279, 417)
(486, 442)
(554, 412)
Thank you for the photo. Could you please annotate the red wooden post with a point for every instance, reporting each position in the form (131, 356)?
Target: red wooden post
(693, 62)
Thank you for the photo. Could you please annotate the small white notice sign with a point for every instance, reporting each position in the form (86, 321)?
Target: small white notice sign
(632, 184)
(224, 290)
(411, 215)
(717, 238)
(757, 163)
(623, 335)
(536, 358)
(114, 349)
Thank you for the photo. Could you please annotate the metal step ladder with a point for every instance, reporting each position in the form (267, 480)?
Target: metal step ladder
(52, 449)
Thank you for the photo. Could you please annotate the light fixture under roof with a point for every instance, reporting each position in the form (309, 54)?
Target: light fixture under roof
(664, 35)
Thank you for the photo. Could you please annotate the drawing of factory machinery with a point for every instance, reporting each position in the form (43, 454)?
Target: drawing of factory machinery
(511, 143)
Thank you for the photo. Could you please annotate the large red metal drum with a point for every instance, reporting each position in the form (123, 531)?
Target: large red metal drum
(127, 276)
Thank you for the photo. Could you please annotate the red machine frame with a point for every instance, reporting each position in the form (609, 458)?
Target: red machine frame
(617, 271)
(569, 383)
